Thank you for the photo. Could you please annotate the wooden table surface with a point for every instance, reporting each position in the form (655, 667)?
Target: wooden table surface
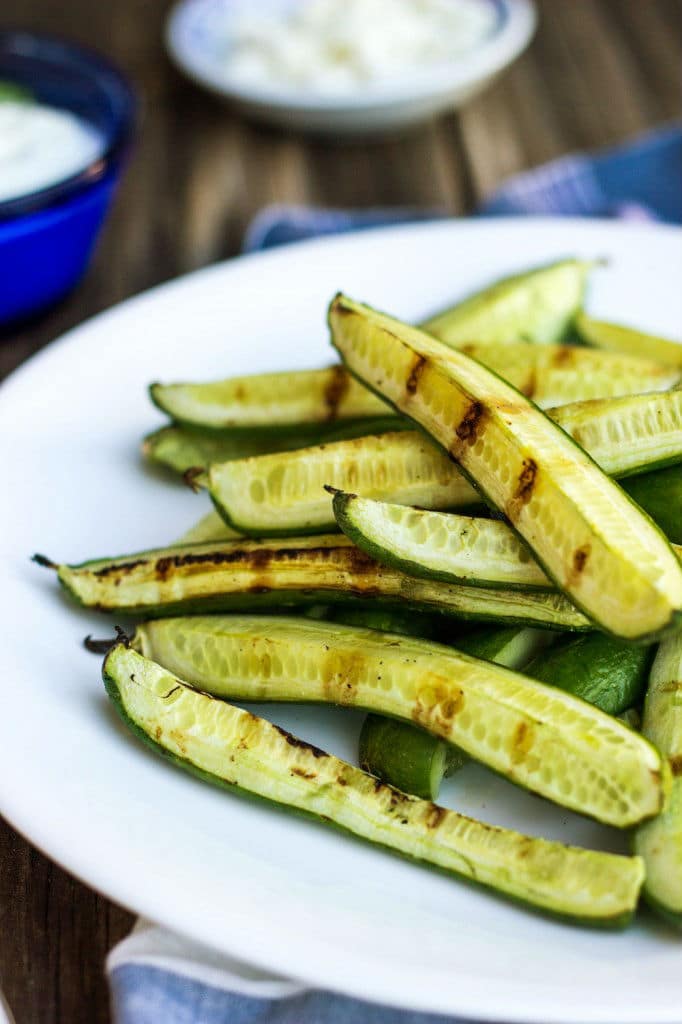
(598, 72)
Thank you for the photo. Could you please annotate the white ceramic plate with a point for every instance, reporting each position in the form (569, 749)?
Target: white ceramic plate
(195, 37)
(252, 881)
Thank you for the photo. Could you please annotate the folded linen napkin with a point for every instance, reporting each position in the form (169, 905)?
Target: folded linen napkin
(157, 977)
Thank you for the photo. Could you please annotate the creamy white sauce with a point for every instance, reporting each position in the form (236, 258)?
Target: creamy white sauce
(41, 146)
(342, 45)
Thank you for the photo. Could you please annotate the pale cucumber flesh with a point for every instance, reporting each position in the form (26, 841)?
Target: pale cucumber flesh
(538, 737)
(591, 540)
(439, 546)
(233, 749)
(269, 402)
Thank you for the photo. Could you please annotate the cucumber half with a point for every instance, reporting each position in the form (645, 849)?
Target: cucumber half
(440, 546)
(233, 749)
(616, 338)
(597, 546)
(660, 841)
(536, 736)
(238, 575)
(275, 495)
(268, 402)
(629, 435)
(538, 305)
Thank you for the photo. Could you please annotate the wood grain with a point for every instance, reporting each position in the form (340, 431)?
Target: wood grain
(598, 72)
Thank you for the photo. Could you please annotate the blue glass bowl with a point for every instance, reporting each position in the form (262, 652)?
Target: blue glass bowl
(47, 237)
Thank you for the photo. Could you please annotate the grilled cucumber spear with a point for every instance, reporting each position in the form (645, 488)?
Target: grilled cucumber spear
(538, 305)
(660, 842)
(538, 737)
(440, 546)
(592, 541)
(235, 750)
(238, 575)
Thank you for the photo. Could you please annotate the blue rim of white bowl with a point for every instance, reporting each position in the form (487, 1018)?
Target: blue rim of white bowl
(117, 143)
(189, 37)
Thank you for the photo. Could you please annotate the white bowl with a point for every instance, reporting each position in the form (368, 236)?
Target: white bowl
(196, 27)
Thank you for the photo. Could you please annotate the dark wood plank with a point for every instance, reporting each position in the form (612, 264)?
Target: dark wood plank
(597, 72)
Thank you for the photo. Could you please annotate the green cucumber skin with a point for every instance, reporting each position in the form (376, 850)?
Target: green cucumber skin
(607, 673)
(422, 758)
(674, 623)
(614, 923)
(659, 495)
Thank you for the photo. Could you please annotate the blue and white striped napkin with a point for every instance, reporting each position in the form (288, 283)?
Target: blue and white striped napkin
(157, 977)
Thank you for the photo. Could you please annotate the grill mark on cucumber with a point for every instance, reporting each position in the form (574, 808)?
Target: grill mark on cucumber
(522, 742)
(468, 427)
(414, 375)
(580, 557)
(335, 391)
(256, 558)
(524, 490)
(564, 356)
